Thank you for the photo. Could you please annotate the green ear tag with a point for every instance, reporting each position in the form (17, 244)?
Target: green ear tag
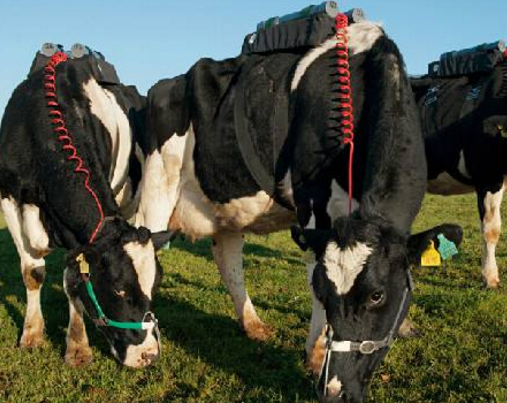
(447, 249)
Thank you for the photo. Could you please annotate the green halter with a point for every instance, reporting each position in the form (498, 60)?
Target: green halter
(84, 268)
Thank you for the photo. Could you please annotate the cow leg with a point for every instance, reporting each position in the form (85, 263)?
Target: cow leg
(32, 244)
(160, 184)
(489, 211)
(315, 343)
(78, 349)
(228, 252)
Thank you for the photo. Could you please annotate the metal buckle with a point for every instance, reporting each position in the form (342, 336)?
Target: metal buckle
(367, 347)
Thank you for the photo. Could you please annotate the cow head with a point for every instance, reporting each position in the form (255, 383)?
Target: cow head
(362, 279)
(124, 273)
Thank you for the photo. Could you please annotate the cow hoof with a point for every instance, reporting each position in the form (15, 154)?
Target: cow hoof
(408, 330)
(492, 284)
(257, 331)
(77, 357)
(316, 358)
(32, 340)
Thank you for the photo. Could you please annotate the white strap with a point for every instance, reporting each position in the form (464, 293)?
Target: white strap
(341, 346)
(148, 325)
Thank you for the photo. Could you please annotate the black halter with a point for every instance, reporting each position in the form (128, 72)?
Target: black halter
(366, 347)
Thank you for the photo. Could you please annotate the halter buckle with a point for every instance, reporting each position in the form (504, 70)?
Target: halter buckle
(367, 347)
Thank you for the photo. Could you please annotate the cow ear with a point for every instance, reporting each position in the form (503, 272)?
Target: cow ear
(161, 238)
(418, 243)
(314, 239)
(144, 235)
(299, 236)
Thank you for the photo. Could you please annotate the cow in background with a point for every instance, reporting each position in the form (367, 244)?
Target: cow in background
(464, 122)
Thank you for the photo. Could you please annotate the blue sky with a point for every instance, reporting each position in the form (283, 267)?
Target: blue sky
(152, 39)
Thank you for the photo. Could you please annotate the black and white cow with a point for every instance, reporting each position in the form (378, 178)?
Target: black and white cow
(203, 177)
(464, 120)
(45, 205)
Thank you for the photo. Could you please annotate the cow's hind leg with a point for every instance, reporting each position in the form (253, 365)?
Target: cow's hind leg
(31, 243)
(489, 210)
(228, 252)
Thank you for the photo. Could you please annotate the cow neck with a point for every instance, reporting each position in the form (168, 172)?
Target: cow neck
(395, 173)
(65, 138)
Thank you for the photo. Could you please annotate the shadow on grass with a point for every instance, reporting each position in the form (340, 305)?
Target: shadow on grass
(219, 341)
(202, 248)
(172, 279)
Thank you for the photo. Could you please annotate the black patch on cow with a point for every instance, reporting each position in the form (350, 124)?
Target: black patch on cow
(168, 112)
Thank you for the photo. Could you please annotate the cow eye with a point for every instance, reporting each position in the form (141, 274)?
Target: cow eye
(376, 298)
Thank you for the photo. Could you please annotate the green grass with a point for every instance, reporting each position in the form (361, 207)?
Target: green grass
(461, 356)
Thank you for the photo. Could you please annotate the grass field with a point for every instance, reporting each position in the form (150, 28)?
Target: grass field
(460, 357)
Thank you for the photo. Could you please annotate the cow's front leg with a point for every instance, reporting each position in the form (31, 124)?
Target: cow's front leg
(489, 210)
(315, 342)
(228, 252)
(78, 349)
(32, 244)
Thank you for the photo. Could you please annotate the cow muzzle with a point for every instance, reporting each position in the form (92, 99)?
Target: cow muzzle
(144, 354)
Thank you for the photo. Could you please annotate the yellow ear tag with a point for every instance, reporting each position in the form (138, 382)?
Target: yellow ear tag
(503, 131)
(84, 267)
(430, 256)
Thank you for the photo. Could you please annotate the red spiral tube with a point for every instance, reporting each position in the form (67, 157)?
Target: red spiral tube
(345, 93)
(63, 134)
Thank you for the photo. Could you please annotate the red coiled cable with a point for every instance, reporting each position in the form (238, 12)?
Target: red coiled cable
(345, 93)
(63, 134)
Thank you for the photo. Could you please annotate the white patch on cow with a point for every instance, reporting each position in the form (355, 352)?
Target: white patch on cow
(361, 36)
(446, 185)
(137, 355)
(491, 230)
(127, 201)
(143, 258)
(334, 387)
(258, 214)
(161, 184)
(34, 229)
(286, 189)
(344, 265)
(338, 204)
(194, 214)
(462, 166)
(104, 106)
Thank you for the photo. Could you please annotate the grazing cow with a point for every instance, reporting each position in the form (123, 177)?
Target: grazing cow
(60, 114)
(252, 144)
(464, 121)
